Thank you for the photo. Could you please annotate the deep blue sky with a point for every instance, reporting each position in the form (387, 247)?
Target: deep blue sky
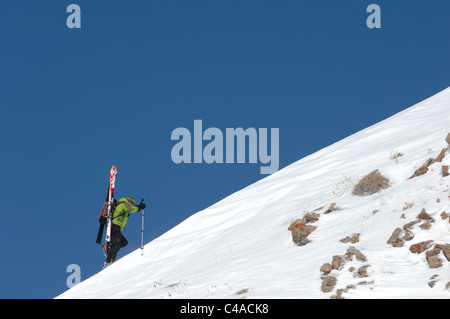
(73, 102)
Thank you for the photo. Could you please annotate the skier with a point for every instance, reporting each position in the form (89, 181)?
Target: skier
(124, 208)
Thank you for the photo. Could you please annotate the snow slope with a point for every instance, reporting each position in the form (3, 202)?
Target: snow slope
(241, 248)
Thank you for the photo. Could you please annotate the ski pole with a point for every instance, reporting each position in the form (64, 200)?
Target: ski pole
(142, 231)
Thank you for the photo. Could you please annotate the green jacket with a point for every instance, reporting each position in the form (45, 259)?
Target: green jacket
(122, 211)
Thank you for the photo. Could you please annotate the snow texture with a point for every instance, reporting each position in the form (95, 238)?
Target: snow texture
(241, 247)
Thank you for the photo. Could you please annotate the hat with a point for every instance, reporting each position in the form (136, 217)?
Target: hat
(130, 200)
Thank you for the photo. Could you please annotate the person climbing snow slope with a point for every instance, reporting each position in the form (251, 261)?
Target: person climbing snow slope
(124, 208)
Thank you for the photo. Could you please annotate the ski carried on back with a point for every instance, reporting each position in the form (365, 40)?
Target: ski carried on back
(107, 212)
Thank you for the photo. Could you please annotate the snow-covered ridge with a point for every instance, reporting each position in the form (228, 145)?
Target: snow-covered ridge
(241, 247)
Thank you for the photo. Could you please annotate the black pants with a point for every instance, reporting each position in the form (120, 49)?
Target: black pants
(117, 242)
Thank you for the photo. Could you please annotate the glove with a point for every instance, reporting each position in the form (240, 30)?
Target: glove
(141, 206)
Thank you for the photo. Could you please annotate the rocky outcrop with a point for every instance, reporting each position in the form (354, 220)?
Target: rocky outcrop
(354, 239)
(432, 252)
(332, 208)
(441, 155)
(338, 262)
(400, 236)
(326, 268)
(329, 283)
(425, 216)
(424, 168)
(445, 172)
(301, 229)
(395, 240)
(352, 251)
(420, 247)
(300, 232)
(331, 272)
